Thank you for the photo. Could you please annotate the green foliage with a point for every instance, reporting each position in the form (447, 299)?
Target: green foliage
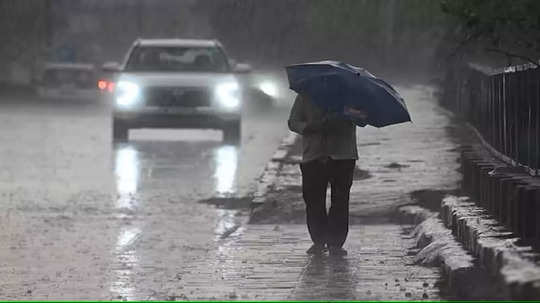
(512, 27)
(391, 32)
(372, 33)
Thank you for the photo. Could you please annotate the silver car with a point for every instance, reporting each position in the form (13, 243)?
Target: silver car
(177, 83)
(67, 81)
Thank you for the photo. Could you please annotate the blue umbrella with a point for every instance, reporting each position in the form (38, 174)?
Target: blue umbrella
(335, 86)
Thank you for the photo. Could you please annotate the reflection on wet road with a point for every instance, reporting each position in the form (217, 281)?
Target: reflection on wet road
(208, 168)
(226, 158)
(334, 273)
(127, 175)
(149, 174)
(87, 218)
(127, 260)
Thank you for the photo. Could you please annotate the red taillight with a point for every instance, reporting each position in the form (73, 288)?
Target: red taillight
(110, 86)
(102, 84)
(105, 85)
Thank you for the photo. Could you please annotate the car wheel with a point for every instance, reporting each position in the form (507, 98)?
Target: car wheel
(120, 131)
(232, 132)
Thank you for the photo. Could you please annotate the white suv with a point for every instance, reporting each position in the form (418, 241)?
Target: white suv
(176, 83)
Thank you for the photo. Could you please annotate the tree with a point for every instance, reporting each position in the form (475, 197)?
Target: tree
(510, 28)
(380, 35)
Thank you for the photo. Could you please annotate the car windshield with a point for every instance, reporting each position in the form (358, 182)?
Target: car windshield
(182, 59)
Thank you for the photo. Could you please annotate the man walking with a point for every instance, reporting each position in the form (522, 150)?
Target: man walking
(329, 156)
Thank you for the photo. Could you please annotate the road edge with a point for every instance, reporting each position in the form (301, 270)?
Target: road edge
(437, 247)
(271, 170)
(469, 247)
(496, 248)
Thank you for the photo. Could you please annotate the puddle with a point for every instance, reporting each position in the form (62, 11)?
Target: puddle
(229, 203)
(396, 165)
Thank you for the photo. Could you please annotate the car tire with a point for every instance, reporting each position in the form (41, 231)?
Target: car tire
(232, 132)
(120, 131)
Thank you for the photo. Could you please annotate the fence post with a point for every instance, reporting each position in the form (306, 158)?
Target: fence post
(505, 109)
(537, 120)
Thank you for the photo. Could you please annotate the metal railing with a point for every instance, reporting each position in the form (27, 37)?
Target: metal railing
(503, 106)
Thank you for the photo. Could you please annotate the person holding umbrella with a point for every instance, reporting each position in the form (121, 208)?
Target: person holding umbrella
(333, 98)
(330, 154)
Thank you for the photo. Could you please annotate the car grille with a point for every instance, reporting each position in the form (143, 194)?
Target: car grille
(177, 96)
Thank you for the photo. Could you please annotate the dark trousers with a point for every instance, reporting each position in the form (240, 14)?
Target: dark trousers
(327, 227)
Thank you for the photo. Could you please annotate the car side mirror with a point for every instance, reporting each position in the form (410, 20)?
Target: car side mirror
(242, 68)
(111, 67)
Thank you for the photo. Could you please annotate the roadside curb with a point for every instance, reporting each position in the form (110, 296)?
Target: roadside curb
(269, 175)
(470, 246)
(496, 248)
(437, 247)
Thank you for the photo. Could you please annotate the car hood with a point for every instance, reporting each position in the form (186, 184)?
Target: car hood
(171, 79)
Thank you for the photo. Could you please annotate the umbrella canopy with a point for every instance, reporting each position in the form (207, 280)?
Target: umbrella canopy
(335, 86)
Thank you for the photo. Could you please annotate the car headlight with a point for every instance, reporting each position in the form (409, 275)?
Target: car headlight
(127, 93)
(228, 94)
(269, 88)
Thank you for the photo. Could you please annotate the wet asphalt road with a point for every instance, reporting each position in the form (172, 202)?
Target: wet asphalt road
(75, 205)
(63, 148)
